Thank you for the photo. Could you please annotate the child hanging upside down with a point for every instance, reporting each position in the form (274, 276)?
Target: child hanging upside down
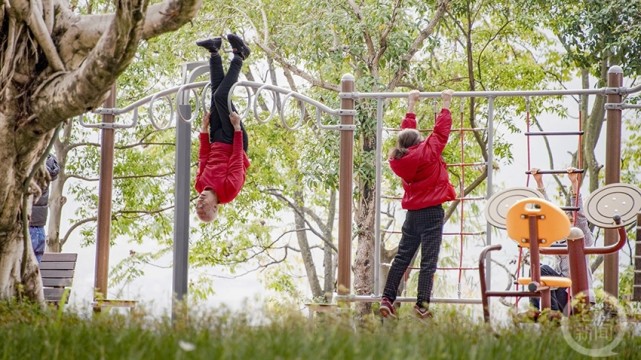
(222, 157)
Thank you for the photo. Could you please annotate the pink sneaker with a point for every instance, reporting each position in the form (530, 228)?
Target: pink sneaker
(387, 308)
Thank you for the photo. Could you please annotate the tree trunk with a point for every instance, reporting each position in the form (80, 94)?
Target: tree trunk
(13, 282)
(54, 65)
(365, 220)
(364, 260)
(328, 252)
(592, 129)
(56, 202)
(303, 244)
(56, 199)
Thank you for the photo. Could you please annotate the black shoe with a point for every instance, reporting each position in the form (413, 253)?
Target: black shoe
(211, 44)
(239, 46)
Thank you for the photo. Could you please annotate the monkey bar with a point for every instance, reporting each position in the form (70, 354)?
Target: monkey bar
(346, 112)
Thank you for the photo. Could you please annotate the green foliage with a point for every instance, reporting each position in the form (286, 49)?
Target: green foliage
(501, 45)
(30, 332)
(598, 31)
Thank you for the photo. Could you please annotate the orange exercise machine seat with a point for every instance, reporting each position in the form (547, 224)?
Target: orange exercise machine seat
(552, 225)
(551, 281)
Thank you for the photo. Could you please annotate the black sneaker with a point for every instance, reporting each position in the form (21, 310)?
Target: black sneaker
(239, 46)
(211, 44)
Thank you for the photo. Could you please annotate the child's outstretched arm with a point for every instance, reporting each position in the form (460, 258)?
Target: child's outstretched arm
(236, 160)
(409, 121)
(203, 151)
(443, 125)
(204, 128)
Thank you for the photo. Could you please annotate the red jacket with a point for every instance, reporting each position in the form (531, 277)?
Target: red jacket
(222, 167)
(425, 178)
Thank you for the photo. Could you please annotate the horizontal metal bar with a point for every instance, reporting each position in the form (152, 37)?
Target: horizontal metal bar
(512, 293)
(471, 198)
(395, 129)
(373, 298)
(445, 233)
(570, 208)
(476, 94)
(467, 164)
(553, 133)
(578, 171)
(631, 106)
(391, 197)
(464, 233)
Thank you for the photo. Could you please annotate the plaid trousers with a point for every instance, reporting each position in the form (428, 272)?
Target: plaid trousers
(422, 227)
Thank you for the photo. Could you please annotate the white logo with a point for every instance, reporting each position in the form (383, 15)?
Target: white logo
(595, 330)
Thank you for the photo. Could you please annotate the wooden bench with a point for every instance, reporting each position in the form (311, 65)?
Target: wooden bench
(56, 270)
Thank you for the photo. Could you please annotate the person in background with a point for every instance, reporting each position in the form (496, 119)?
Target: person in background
(561, 266)
(40, 211)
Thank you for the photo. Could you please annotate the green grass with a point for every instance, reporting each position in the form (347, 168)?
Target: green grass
(27, 332)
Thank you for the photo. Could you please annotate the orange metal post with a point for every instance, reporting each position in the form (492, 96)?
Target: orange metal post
(345, 192)
(612, 175)
(104, 199)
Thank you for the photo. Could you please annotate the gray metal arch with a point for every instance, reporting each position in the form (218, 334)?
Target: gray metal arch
(182, 115)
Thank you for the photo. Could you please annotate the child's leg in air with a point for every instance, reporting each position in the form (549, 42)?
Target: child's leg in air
(221, 94)
(216, 76)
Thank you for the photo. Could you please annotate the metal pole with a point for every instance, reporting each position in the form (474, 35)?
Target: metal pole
(105, 186)
(636, 290)
(377, 203)
(490, 172)
(612, 175)
(483, 94)
(345, 192)
(182, 191)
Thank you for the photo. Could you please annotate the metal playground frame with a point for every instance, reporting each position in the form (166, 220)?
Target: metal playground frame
(348, 95)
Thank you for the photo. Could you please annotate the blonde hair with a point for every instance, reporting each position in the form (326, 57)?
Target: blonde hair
(207, 211)
(406, 139)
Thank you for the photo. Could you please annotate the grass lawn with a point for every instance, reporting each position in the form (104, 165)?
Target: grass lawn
(28, 332)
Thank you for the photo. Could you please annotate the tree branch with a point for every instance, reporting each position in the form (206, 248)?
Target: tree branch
(385, 34)
(120, 147)
(32, 15)
(64, 95)
(304, 210)
(169, 16)
(417, 43)
(296, 70)
(126, 177)
(368, 38)
(113, 215)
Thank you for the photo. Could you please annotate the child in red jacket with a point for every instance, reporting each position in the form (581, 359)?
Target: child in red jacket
(422, 170)
(222, 157)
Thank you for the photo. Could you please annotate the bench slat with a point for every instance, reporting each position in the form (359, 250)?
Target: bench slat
(46, 257)
(58, 265)
(57, 270)
(56, 282)
(56, 273)
(53, 294)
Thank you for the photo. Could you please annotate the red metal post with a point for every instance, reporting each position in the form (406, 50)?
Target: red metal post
(612, 174)
(345, 192)
(578, 267)
(636, 291)
(535, 262)
(105, 186)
